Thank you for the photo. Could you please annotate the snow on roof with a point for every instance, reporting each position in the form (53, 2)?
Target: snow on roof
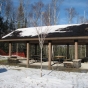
(32, 31)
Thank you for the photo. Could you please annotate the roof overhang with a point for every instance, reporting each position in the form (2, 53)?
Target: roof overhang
(56, 40)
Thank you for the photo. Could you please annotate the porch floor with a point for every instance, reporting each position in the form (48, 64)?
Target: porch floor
(55, 66)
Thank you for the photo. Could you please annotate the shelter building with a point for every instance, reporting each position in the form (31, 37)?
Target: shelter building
(72, 34)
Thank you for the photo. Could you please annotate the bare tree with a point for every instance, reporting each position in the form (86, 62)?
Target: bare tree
(42, 33)
(37, 18)
(26, 6)
(54, 10)
(8, 9)
(47, 16)
(0, 8)
(83, 19)
(36, 12)
(55, 6)
(20, 17)
(5, 4)
(71, 13)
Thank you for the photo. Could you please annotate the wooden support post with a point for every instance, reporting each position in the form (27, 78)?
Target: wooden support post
(76, 49)
(28, 53)
(49, 56)
(10, 48)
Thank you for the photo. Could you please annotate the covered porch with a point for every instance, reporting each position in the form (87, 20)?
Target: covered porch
(58, 38)
(49, 43)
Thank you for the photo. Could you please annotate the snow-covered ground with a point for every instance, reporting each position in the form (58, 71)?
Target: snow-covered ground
(3, 57)
(20, 77)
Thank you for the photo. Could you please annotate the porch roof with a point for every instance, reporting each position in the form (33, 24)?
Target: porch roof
(63, 33)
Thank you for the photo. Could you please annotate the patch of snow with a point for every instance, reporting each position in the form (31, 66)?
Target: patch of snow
(32, 31)
(10, 34)
(3, 57)
(30, 78)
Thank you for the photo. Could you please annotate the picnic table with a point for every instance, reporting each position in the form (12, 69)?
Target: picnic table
(36, 57)
(60, 58)
(13, 59)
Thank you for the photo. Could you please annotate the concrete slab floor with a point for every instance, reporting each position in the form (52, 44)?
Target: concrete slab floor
(57, 66)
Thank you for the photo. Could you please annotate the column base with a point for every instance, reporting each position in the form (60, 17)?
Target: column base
(77, 63)
(49, 68)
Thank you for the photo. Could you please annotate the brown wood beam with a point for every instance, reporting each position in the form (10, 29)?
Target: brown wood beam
(50, 54)
(76, 49)
(28, 53)
(52, 38)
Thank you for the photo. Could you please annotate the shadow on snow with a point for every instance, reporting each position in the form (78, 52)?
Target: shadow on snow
(3, 70)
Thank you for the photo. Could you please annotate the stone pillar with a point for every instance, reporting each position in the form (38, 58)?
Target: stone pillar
(86, 50)
(10, 48)
(76, 49)
(28, 53)
(76, 61)
(67, 51)
(49, 55)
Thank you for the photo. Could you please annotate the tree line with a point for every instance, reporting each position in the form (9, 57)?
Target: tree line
(24, 13)
(27, 14)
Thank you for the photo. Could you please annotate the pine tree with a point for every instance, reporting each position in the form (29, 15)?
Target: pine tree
(20, 17)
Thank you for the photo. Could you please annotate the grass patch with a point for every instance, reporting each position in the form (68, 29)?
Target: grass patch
(3, 61)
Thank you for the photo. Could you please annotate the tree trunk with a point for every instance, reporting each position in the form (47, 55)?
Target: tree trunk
(41, 62)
